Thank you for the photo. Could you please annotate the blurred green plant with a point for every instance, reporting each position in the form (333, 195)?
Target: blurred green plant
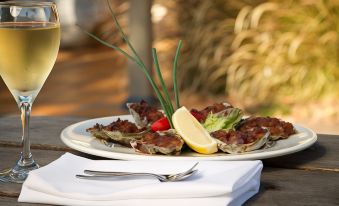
(263, 52)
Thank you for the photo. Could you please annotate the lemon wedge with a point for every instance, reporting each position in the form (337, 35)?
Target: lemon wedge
(193, 133)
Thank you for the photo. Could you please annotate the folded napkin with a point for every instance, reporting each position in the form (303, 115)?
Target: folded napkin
(216, 183)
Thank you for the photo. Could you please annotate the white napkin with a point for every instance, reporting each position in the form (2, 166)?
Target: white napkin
(216, 183)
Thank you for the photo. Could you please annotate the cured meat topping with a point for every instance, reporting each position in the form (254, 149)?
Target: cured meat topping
(239, 137)
(167, 140)
(123, 126)
(165, 143)
(151, 113)
(275, 126)
(215, 108)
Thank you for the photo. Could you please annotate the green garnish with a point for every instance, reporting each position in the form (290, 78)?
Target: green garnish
(220, 121)
(163, 85)
(164, 99)
(175, 85)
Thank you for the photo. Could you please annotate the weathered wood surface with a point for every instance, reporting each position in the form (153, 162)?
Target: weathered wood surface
(44, 131)
(309, 177)
(13, 201)
(297, 187)
(323, 155)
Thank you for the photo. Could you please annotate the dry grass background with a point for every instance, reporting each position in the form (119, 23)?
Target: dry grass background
(271, 57)
(263, 54)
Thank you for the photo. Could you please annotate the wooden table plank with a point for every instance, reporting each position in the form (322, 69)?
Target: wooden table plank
(297, 187)
(10, 201)
(323, 155)
(44, 131)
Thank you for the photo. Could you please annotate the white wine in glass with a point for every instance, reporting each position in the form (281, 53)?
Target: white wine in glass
(29, 44)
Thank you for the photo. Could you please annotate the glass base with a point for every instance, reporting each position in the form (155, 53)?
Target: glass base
(19, 172)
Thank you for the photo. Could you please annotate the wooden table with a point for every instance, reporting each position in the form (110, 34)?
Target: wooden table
(309, 177)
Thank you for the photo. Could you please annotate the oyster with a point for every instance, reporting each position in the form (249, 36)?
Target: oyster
(120, 131)
(278, 129)
(237, 141)
(215, 108)
(96, 131)
(144, 114)
(166, 142)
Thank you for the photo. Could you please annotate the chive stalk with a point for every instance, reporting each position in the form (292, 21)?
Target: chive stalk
(175, 85)
(163, 85)
(165, 102)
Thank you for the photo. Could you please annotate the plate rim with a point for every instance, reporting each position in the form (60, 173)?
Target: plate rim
(126, 156)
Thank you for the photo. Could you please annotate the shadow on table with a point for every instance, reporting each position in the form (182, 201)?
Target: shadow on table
(310, 157)
(264, 186)
(320, 157)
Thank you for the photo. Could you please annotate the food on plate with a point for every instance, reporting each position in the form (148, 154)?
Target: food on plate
(144, 114)
(193, 133)
(237, 141)
(278, 129)
(161, 125)
(219, 127)
(215, 108)
(226, 119)
(167, 142)
(119, 131)
(193, 127)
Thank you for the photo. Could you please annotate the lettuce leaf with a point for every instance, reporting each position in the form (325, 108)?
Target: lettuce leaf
(225, 120)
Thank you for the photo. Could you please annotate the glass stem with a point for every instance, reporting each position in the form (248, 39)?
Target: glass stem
(25, 107)
(19, 172)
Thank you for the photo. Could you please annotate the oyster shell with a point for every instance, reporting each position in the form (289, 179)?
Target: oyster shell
(97, 132)
(215, 108)
(278, 129)
(144, 114)
(165, 142)
(123, 138)
(234, 142)
(120, 131)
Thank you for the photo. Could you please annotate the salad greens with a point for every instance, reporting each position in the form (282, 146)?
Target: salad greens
(224, 120)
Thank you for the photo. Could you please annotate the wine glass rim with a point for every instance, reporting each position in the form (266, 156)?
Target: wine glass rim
(27, 3)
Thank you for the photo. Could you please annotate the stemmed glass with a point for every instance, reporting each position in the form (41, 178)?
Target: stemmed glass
(29, 44)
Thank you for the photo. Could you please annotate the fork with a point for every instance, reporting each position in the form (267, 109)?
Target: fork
(95, 175)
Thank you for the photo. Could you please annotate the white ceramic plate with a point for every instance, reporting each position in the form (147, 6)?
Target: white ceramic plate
(76, 137)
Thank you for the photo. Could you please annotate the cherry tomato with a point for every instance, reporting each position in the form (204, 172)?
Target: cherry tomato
(161, 125)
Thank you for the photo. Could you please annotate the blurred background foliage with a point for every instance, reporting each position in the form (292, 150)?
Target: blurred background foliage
(268, 57)
(264, 56)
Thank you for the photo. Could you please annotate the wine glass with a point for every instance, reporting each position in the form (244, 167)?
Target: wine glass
(29, 44)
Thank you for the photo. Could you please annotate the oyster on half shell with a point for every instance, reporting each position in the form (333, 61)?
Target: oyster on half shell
(212, 109)
(234, 142)
(165, 142)
(144, 114)
(120, 131)
(278, 129)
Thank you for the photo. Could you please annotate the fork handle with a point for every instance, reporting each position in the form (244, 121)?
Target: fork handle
(118, 174)
(93, 172)
(102, 173)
